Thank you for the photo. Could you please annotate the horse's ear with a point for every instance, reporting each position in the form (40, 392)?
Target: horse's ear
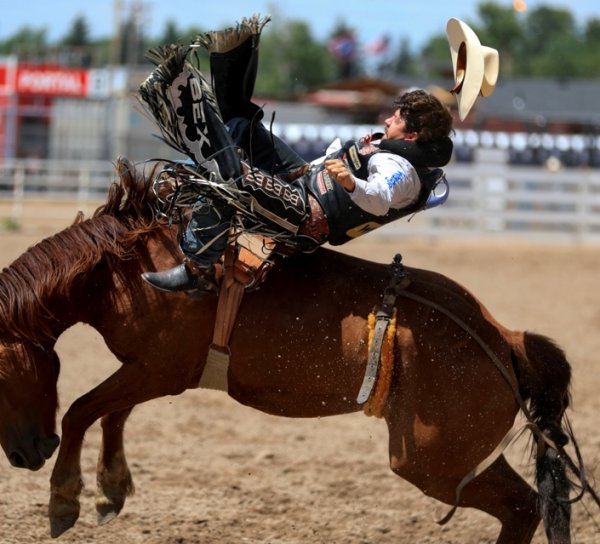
(433, 153)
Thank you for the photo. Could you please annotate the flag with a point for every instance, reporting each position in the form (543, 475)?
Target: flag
(378, 45)
(343, 47)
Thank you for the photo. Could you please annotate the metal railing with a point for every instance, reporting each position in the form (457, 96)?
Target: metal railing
(486, 200)
(47, 192)
(502, 201)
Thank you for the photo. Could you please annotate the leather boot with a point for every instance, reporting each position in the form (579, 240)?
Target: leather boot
(187, 276)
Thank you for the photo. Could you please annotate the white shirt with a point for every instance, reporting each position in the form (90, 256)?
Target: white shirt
(392, 182)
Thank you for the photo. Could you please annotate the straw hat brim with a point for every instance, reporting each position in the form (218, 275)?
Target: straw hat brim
(475, 66)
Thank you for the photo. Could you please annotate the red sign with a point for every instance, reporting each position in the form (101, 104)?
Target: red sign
(44, 80)
(3, 112)
(8, 66)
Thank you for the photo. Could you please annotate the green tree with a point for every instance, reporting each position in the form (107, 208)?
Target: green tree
(171, 33)
(101, 51)
(500, 28)
(546, 24)
(590, 61)
(592, 32)
(552, 45)
(543, 42)
(291, 60)
(434, 58)
(404, 60)
(75, 46)
(27, 42)
(133, 44)
(78, 34)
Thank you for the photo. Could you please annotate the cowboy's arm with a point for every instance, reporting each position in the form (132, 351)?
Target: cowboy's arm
(340, 173)
(392, 183)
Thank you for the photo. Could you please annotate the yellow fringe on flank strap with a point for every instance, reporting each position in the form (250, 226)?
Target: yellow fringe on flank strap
(374, 406)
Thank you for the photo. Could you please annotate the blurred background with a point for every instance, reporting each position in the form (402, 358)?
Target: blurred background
(526, 161)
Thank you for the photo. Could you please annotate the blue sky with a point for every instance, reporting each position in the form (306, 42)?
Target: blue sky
(416, 19)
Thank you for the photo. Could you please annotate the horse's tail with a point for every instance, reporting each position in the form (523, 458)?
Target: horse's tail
(544, 377)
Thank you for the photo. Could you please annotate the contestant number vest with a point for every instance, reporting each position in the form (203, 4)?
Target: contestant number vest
(345, 219)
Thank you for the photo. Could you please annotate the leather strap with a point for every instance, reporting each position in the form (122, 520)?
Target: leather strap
(381, 326)
(398, 281)
(543, 440)
(241, 271)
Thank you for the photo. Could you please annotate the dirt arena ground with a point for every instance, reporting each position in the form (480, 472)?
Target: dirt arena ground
(208, 470)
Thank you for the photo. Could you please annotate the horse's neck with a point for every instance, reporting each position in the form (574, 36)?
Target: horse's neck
(53, 284)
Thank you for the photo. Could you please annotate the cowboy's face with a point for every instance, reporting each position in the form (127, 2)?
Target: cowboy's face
(395, 128)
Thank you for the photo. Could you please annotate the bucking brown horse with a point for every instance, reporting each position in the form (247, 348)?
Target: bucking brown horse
(298, 349)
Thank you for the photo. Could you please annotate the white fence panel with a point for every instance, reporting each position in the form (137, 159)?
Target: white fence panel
(519, 202)
(47, 192)
(489, 200)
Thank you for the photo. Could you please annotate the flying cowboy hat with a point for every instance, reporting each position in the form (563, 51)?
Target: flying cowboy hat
(475, 66)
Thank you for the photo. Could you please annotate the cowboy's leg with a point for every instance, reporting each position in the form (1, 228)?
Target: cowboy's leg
(263, 149)
(208, 144)
(234, 58)
(233, 54)
(205, 237)
(203, 242)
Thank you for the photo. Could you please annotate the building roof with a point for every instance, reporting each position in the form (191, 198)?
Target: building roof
(543, 100)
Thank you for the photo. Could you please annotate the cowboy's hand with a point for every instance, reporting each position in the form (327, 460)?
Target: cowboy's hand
(340, 173)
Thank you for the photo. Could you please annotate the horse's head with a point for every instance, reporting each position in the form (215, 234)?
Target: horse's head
(28, 403)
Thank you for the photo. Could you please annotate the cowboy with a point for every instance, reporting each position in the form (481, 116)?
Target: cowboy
(356, 187)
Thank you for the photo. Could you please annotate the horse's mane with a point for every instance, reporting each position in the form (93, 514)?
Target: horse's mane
(50, 266)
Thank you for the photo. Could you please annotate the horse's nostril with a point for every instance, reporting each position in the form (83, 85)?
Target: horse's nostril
(50, 445)
(47, 445)
(17, 460)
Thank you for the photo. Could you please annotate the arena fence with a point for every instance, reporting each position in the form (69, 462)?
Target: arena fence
(48, 193)
(498, 200)
(487, 199)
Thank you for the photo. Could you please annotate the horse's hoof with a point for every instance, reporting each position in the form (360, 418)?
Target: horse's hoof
(111, 492)
(105, 515)
(107, 510)
(63, 514)
(59, 525)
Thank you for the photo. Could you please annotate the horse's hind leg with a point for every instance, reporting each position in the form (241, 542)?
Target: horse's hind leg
(498, 491)
(502, 493)
(113, 479)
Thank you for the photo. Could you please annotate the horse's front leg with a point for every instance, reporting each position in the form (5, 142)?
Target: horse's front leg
(113, 478)
(66, 483)
(118, 393)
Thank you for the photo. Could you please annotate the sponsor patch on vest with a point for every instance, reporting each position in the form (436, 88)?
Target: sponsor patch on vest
(353, 156)
(362, 229)
(395, 179)
(324, 182)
